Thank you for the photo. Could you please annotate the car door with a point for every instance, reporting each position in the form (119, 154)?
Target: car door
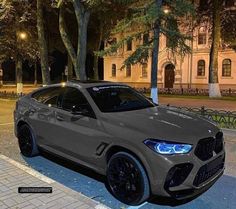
(42, 114)
(78, 132)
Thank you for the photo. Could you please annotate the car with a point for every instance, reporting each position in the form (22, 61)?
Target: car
(143, 149)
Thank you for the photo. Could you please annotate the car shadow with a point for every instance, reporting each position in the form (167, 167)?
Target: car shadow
(94, 186)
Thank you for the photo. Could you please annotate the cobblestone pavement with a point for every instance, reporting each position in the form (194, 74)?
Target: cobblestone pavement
(14, 175)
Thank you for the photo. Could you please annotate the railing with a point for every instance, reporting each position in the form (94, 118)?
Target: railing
(225, 119)
(190, 92)
(10, 95)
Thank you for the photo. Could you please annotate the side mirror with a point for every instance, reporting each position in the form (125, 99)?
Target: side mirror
(76, 110)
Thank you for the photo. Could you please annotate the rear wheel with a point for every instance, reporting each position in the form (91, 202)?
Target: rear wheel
(26, 139)
(127, 179)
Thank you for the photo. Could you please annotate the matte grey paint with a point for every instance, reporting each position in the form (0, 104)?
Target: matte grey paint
(78, 140)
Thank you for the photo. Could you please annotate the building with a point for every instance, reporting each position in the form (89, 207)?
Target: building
(190, 71)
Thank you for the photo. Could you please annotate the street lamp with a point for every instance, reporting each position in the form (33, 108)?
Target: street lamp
(166, 9)
(23, 35)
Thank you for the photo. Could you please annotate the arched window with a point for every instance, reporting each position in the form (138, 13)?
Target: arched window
(113, 70)
(144, 70)
(226, 68)
(128, 71)
(201, 68)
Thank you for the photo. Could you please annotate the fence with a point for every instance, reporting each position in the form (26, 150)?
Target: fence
(190, 92)
(9, 95)
(225, 119)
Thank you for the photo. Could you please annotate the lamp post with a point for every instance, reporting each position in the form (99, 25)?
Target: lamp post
(21, 36)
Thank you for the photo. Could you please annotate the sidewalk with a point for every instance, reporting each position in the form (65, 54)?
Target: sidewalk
(14, 175)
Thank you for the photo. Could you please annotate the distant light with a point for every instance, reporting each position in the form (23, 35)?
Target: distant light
(22, 35)
(166, 11)
(63, 84)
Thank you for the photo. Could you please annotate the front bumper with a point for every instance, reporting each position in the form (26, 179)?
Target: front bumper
(185, 176)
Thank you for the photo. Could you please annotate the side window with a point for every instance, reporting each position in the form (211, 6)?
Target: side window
(48, 96)
(73, 99)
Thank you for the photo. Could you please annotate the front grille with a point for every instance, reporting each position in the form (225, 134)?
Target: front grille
(209, 170)
(207, 147)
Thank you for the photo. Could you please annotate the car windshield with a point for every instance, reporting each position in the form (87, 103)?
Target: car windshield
(118, 98)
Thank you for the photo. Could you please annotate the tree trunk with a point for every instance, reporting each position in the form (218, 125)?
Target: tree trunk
(96, 58)
(70, 68)
(19, 84)
(42, 44)
(35, 74)
(155, 52)
(66, 39)
(82, 44)
(214, 89)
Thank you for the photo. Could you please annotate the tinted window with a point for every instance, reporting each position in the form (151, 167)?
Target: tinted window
(74, 99)
(118, 98)
(48, 96)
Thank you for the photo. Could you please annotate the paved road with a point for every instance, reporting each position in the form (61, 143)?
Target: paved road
(221, 195)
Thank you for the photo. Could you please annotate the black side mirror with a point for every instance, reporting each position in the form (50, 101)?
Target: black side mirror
(76, 110)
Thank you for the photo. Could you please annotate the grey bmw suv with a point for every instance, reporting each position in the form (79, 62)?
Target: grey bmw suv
(143, 149)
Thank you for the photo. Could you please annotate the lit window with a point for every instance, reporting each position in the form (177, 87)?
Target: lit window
(113, 70)
(201, 68)
(226, 68)
(128, 71)
(144, 70)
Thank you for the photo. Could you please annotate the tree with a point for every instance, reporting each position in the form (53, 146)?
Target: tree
(82, 14)
(149, 17)
(42, 43)
(20, 40)
(221, 17)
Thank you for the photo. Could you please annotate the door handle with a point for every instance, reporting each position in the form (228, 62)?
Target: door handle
(59, 118)
(32, 110)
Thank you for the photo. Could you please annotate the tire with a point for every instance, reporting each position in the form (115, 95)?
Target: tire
(127, 179)
(26, 140)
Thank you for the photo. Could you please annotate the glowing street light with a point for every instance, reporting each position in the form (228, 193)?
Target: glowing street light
(166, 9)
(23, 35)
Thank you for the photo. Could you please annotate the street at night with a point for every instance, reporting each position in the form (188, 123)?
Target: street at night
(221, 195)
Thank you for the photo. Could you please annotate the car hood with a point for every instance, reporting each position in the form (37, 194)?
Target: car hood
(165, 123)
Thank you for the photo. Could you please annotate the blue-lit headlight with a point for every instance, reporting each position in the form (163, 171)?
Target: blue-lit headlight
(168, 148)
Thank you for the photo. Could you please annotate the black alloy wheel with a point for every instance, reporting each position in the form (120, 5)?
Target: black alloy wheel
(26, 141)
(127, 179)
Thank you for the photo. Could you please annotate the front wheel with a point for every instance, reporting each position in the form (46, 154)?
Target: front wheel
(127, 179)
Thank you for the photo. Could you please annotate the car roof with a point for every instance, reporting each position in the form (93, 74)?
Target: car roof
(92, 83)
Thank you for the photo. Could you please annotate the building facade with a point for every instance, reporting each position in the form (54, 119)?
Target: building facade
(190, 71)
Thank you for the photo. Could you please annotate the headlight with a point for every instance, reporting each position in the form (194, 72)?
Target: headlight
(168, 148)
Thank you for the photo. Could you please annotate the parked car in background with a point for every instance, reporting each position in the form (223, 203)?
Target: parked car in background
(142, 148)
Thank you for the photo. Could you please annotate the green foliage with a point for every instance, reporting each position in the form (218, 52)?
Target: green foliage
(141, 16)
(17, 17)
(228, 20)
